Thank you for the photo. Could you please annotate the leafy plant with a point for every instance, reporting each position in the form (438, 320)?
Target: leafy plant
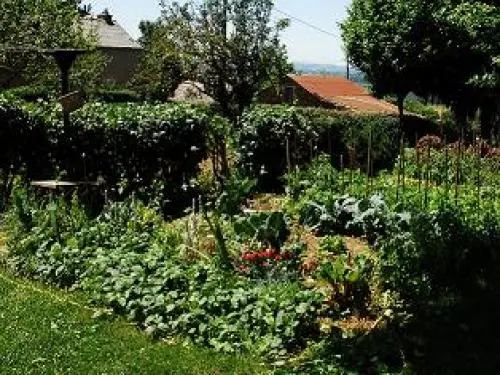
(269, 228)
(349, 279)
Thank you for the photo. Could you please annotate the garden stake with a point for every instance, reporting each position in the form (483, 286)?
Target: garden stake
(446, 182)
(427, 176)
(403, 168)
(294, 151)
(311, 149)
(369, 161)
(342, 172)
(330, 147)
(459, 160)
(399, 173)
(288, 161)
(419, 172)
(478, 169)
(351, 166)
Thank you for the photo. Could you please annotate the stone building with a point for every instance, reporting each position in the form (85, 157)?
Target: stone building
(123, 51)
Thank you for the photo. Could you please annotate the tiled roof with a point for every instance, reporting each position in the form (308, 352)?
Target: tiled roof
(110, 35)
(343, 92)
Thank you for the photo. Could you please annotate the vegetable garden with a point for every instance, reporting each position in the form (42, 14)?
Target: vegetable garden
(334, 245)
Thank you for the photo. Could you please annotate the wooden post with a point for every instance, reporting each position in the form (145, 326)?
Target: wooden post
(342, 173)
(288, 159)
(369, 162)
(446, 174)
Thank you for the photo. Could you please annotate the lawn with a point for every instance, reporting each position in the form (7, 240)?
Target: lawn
(45, 331)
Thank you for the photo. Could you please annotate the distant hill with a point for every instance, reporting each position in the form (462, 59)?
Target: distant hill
(329, 69)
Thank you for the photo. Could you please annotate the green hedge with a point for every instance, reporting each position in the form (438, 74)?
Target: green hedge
(264, 131)
(135, 144)
(104, 94)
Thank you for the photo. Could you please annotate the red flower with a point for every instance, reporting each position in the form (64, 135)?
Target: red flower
(269, 253)
(249, 257)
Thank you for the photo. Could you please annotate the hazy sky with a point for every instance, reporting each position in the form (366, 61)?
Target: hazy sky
(304, 43)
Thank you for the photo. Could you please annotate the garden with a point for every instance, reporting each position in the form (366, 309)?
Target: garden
(334, 242)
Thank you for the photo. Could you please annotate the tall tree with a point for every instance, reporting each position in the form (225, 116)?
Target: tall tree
(387, 40)
(440, 47)
(231, 46)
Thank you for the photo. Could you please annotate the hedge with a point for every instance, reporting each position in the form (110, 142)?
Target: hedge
(104, 94)
(131, 143)
(266, 132)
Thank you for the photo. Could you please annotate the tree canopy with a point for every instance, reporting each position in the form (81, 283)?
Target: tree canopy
(448, 48)
(230, 46)
(28, 26)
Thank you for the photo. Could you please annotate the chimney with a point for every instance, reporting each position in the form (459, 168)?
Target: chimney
(107, 17)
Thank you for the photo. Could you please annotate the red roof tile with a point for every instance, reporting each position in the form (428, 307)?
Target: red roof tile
(329, 86)
(341, 91)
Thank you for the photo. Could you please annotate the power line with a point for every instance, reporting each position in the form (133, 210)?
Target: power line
(307, 23)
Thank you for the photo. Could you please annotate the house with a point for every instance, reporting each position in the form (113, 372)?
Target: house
(117, 44)
(327, 91)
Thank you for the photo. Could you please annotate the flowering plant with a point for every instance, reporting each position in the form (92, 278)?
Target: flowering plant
(269, 262)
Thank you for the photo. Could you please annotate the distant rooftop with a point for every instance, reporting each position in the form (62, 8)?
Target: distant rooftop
(341, 91)
(110, 33)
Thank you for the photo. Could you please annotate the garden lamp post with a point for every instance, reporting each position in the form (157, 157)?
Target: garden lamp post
(64, 59)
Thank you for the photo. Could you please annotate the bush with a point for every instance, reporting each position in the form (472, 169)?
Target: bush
(441, 255)
(265, 131)
(24, 147)
(31, 93)
(114, 95)
(126, 145)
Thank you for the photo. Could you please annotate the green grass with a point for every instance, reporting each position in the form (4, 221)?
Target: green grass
(47, 331)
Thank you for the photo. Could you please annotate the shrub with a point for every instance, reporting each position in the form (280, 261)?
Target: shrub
(265, 132)
(114, 95)
(31, 93)
(24, 147)
(126, 145)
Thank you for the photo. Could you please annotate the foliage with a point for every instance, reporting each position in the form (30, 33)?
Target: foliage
(349, 278)
(236, 189)
(18, 129)
(114, 95)
(269, 228)
(440, 255)
(161, 67)
(265, 131)
(473, 165)
(30, 26)
(232, 62)
(128, 146)
(403, 46)
(128, 261)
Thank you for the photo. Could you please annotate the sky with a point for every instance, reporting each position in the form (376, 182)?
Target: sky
(304, 43)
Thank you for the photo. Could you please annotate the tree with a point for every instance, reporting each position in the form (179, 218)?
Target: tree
(161, 66)
(386, 40)
(230, 46)
(439, 47)
(28, 26)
